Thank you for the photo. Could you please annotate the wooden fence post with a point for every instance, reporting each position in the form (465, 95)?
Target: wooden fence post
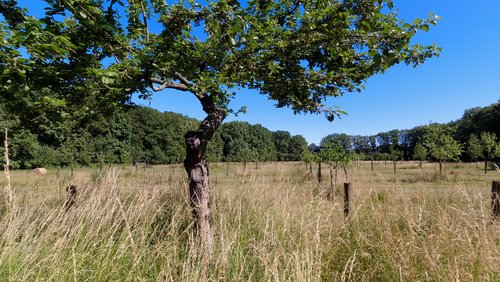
(495, 199)
(347, 198)
(319, 172)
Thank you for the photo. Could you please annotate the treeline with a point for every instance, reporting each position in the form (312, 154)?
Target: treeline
(459, 139)
(60, 135)
(136, 134)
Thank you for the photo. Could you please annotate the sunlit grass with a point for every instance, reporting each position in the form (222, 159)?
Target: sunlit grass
(271, 222)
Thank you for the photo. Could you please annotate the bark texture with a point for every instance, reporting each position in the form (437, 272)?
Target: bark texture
(197, 170)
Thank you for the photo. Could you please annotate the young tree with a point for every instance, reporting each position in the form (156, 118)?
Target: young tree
(335, 155)
(297, 53)
(474, 148)
(420, 153)
(489, 147)
(441, 144)
(395, 155)
(308, 157)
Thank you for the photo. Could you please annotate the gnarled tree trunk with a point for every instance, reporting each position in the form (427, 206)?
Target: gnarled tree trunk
(197, 170)
(195, 163)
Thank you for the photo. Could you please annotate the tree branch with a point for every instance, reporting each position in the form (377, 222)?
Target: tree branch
(166, 84)
(144, 18)
(185, 85)
(182, 79)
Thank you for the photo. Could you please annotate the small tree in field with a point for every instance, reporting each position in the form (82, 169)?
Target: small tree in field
(441, 144)
(395, 155)
(474, 148)
(335, 155)
(420, 153)
(297, 53)
(308, 158)
(485, 147)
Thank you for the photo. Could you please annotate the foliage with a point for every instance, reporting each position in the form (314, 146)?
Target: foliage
(309, 157)
(335, 154)
(395, 155)
(245, 142)
(489, 145)
(440, 143)
(288, 147)
(158, 137)
(474, 148)
(407, 141)
(297, 53)
(477, 120)
(342, 139)
(484, 147)
(420, 152)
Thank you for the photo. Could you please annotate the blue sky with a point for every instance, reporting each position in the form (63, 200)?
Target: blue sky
(466, 75)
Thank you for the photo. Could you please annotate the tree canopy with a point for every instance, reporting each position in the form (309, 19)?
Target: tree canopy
(295, 52)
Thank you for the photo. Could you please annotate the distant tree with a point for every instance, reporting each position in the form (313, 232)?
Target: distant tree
(490, 148)
(420, 153)
(215, 149)
(373, 142)
(282, 141)
(23, 148)
(78, 149)
(474, 148)
(477, 120)
(406, 143)
(298, 144)
(384, 157)
(308, 157)
(341, 139)
(263, 143)
(394, 137)
(395, 155)
(441, 145)
(156, 137)
(243, 142)
(361, 144)
(335, 155)
(384, 142)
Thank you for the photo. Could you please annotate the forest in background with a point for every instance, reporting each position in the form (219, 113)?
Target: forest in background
(62, 136)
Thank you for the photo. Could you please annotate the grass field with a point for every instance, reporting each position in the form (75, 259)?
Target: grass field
(271, 222)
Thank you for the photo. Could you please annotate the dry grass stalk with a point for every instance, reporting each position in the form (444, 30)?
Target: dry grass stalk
(6, 170)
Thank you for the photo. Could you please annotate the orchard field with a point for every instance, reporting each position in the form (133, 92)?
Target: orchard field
(271, 222)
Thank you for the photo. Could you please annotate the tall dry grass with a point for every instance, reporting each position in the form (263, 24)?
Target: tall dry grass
(271, 223)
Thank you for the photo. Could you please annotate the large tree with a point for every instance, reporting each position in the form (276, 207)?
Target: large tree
(297, 53)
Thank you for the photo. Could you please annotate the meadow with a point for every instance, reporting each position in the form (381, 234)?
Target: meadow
(271, 222)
